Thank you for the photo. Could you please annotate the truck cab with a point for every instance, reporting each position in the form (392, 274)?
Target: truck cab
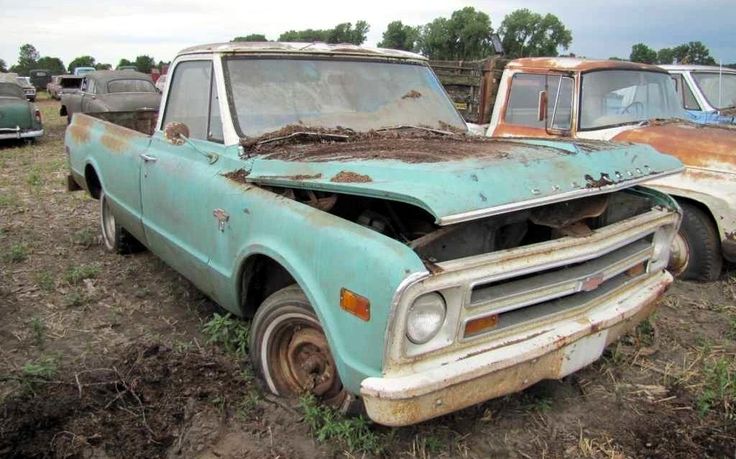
(708, 93)
(628, 102)
(332, 194)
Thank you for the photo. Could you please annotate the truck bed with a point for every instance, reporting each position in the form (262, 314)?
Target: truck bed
(143, 121)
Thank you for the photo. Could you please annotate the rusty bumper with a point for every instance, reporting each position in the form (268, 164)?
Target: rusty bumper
(569, 346)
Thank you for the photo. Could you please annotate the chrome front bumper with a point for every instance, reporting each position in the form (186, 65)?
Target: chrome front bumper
(511, 366)
(19, 134)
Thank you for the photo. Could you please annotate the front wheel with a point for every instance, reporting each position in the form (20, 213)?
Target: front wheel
(696, 250)
(289, 350)
(115, 238)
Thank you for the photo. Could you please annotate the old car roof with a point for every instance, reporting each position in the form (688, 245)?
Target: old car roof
(704, 68)
(104, 76)
(299, 48)
(579, 65)
(8, 89)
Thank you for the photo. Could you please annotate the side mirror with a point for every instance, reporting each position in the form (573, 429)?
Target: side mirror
(176, 133)
(542, 106)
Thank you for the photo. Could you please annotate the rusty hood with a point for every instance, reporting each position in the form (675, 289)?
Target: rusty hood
(490, 178)
(696, 145)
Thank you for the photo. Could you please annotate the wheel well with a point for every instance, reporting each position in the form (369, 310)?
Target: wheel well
(702, 207)
(260, 277)
(93, 182)
(62, 110)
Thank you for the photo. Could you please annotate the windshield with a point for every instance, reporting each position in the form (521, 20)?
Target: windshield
(720, 92)
(130, 86)
(616, 97)
(269, 94)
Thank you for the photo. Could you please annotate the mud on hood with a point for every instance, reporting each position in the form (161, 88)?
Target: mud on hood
(500, 176)
(706, 146)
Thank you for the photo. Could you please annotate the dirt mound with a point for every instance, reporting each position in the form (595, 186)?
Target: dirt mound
(137, 406)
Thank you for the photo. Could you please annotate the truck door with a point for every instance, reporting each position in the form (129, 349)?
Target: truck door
(177, 215)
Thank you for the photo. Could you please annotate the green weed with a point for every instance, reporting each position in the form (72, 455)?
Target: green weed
(45, 280)
(35, 372)
(327, 424)
(74, 299)
(77, 274)
(17, 253)
(229, 332)
(85, 238)
(719, 388)
(38, 331)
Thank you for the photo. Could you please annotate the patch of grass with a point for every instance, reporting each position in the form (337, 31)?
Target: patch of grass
(38, 331)
(77, 274)
(645, 332)
(719, 387)
(85, 238)
(8, 200)
(45, 280)
(327, 424)
(247, 405)
(17, 253)
(37, 371)
(74, 299)
(35, 179)
(229, 332)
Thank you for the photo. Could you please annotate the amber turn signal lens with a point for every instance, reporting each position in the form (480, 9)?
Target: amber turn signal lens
(481, 324)
(637, 270)
(355, 304)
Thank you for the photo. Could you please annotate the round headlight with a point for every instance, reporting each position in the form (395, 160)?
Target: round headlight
(425, 318)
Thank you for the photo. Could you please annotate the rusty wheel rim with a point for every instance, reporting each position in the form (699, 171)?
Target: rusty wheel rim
(679, 255)
(108, 224)
(301, 362)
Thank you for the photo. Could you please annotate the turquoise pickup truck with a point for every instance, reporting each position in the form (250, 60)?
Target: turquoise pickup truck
(331, 193)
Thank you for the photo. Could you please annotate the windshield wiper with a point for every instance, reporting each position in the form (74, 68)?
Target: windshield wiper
(409, 126)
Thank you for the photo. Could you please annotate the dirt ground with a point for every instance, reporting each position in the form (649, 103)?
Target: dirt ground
(104, 356)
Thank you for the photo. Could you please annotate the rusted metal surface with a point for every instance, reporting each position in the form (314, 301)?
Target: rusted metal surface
(350, 177)
(573, 64)
(176, 133)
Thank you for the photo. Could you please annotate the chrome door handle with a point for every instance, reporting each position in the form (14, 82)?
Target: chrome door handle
(148, 158)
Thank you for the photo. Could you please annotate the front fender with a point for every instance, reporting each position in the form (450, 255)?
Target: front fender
(323, 253)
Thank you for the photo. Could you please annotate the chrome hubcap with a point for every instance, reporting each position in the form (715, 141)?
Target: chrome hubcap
(679, 255)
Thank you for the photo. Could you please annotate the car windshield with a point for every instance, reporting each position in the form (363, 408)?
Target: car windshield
(11, 90)
(616, 97)
(130, 86)
(269, 94)
(719, 89)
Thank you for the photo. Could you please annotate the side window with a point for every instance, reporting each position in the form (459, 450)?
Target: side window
(214, 132)
(691, 103)
(83, 86)
(90, 86)
(523, 104)
(188, 101)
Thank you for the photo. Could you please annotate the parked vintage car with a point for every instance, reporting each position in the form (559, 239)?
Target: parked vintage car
(128, 67)
(708, 93)
(28, 89)
(40, 78)
(64, 84)
(79, 71)
(331, 192)
(161, 83)
(629, 102)
(111, 91)
(19, 119)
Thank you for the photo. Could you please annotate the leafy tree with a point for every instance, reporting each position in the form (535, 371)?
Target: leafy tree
(308, 35)
(81, 61)
(665, 56)
(124, 62)
(614, 58)
(694, 52)
(28, 56)
(100, 66)
(400, 36)
(345, 33)
(52, 64)
(144, 63)
(3, 66)
(642, 53)
(526, 33)
(252, 37)
(465, 35)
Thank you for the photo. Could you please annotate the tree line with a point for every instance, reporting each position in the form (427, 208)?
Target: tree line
(29, 58)
(693, 52)
(466, 34)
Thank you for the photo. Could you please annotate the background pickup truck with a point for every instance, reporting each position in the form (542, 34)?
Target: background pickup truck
(331, 193)
(708, 93)
(628, 102)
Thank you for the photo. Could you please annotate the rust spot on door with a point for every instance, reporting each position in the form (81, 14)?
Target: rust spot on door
(350, 177)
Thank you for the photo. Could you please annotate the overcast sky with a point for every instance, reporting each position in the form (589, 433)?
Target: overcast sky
(112, 29)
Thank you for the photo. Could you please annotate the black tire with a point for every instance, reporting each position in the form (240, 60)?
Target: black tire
(115, 238)
(697, 249)
(284, 331)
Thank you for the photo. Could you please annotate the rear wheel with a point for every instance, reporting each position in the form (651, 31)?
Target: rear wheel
(290, 353)
(115, 238)
(696, 250)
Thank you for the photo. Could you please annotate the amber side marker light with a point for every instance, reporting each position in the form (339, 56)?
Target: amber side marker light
(355, 304)
(637, 270)
(481, 324)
